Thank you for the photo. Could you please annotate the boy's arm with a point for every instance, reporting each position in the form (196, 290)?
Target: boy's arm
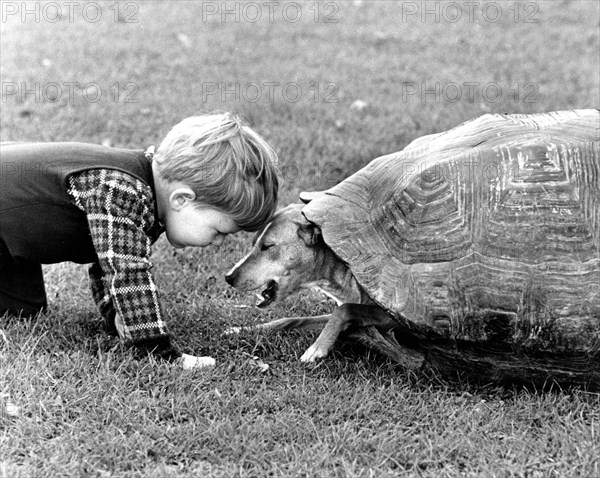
(102, 297)
(120, 209)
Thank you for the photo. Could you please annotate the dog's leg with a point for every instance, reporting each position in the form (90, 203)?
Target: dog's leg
(345, 315)
(336, 325)
(286, 323)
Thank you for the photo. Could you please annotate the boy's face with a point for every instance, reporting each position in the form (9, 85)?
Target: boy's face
(197, 226)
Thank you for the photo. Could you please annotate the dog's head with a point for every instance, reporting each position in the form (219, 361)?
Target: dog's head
(283, 258)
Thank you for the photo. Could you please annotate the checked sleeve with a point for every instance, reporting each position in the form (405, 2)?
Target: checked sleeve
(120, 213)
(101, 295)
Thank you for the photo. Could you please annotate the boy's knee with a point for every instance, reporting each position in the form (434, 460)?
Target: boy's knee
(24, 311)
(22, 291)
(26, 302)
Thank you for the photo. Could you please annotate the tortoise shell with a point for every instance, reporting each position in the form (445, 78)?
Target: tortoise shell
(488, 232)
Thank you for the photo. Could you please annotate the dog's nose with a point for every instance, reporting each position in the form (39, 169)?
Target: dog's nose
(230, 278)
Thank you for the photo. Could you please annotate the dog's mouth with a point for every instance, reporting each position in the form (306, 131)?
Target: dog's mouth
(268, 294)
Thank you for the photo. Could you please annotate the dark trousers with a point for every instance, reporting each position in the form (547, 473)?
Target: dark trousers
(22, 290)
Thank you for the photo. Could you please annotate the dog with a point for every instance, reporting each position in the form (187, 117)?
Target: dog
(288, 255)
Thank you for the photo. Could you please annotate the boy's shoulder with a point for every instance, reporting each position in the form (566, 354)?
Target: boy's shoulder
(108, 178)
(111, 186)
(105, 192)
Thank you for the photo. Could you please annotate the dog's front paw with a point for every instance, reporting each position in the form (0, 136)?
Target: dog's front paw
(312, 354)
(232, 330)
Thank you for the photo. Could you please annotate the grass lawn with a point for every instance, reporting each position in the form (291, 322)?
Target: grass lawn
(89, 408)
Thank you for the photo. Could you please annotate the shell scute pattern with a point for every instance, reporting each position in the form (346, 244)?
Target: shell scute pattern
(489, 230)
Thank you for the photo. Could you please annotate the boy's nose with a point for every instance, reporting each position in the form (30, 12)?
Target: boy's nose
(217, 241)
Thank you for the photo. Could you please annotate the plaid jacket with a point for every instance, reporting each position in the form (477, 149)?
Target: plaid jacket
(120, 212)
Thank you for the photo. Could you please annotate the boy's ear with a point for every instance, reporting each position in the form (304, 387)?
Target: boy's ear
(309, 233)
(180, 197)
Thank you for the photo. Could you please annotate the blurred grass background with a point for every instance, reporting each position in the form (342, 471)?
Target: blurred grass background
(89, 409)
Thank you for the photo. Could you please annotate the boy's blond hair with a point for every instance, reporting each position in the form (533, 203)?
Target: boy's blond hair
(227, 164)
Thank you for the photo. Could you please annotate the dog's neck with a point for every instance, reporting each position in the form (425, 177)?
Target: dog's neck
(336, 280)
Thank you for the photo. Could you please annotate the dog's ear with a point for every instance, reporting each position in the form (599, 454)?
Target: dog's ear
(309, 233)
(308, 196)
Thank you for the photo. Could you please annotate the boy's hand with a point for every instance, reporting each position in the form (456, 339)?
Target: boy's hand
(188, 362)
(164, 349)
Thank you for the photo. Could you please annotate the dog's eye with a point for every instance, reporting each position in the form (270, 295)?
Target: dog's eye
(264, 247)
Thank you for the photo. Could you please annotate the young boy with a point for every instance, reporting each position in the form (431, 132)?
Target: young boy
(211, 176)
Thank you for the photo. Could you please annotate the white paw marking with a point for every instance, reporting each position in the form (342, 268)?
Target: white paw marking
(312, 354)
